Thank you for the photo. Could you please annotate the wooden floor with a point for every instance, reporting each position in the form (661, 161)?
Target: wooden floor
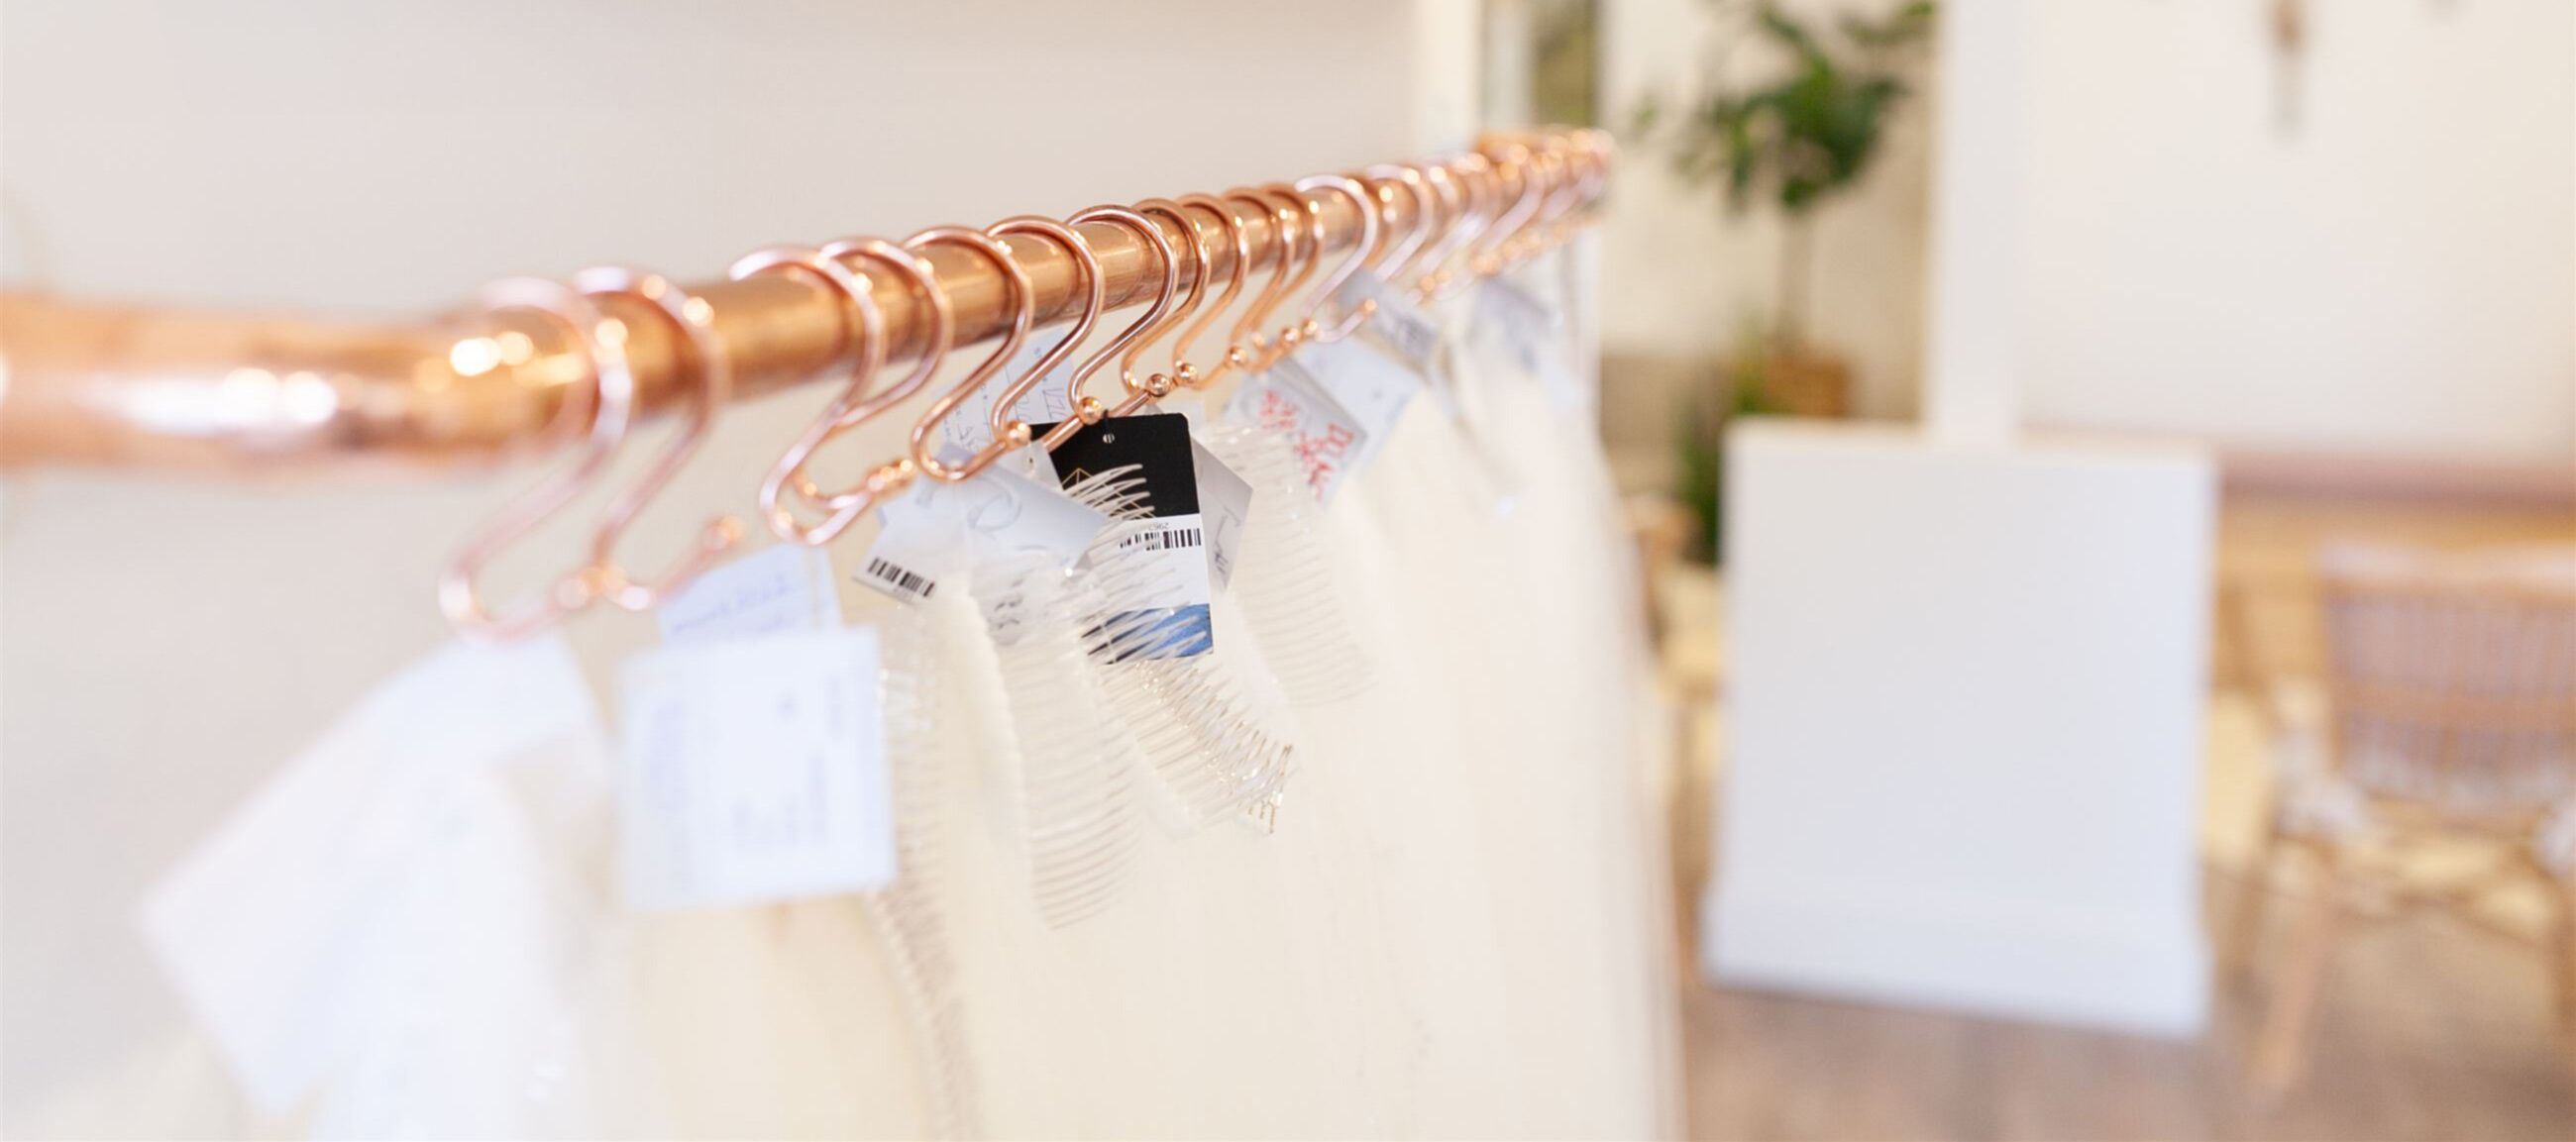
(2427, 1029)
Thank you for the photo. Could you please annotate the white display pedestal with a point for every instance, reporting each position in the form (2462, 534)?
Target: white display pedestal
(1966, 698)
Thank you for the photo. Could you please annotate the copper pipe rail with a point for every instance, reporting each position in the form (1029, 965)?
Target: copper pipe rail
(86, 384)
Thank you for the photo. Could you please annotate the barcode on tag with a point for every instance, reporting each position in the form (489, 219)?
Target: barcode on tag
(894, 580)
(938, 529)
(918, 541)
(754, 771)
(1162, 540)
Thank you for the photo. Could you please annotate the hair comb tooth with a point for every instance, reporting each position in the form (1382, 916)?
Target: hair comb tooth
(1211, 753)
(1289, 584)
(907, 914)
(1073, 788)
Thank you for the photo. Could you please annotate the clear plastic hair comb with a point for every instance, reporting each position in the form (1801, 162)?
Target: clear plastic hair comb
(907, 914)
(1074, 790)
(1212, 753)
(1289, 584)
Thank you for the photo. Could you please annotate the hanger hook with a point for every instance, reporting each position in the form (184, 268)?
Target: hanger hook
(863, 354)
(1182, 371)
(1518, 165)
(1310, 259)
(1155, 386)
(690, 316)
(1455, 206)
(1247, 346)
(1401, 254)
(1088, 409)
(844, 416)
(1481, 190)
(608, 403)
(1024, 311)
(1310, 327)
(1095, 296)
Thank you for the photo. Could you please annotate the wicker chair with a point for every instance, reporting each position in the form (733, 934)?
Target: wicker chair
(2448, 716)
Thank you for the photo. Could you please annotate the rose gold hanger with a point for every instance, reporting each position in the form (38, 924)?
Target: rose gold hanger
(1560, 164)
(1024, 311)
(713, 372)
(1289, 227)
(863, 355)
(1311, 247)
(1235, 236)
(1310, 328)
(852, 408)
(1155, 386)
(1400, 254)
(1244, 342)
(1456, 208)
(1482, 189)
(608, 402)
(1095, 293)
(1088, 409)
(1517, 168)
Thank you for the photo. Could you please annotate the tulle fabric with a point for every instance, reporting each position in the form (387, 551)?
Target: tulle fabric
(1453, 928)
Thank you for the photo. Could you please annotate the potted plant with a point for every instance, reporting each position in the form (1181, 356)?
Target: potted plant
(1796, 142)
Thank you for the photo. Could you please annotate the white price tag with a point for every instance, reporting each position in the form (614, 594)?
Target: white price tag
(1526, 329)
(1008, 513)
(1324, 435)
(755, 771)
(1225, 505)
(1403, 327)
(937, 529)
(784, 587)
(409, 820)
(1370, 386)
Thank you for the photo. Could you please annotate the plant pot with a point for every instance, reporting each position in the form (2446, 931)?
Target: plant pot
(1805, 382)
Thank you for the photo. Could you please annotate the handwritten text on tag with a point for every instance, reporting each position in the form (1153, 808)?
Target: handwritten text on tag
(1225, 505)
(779, 588)
(1369, 385)
(1324, 436)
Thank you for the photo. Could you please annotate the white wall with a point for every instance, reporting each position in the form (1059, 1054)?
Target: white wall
(2396, 275)
(1684, 275)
